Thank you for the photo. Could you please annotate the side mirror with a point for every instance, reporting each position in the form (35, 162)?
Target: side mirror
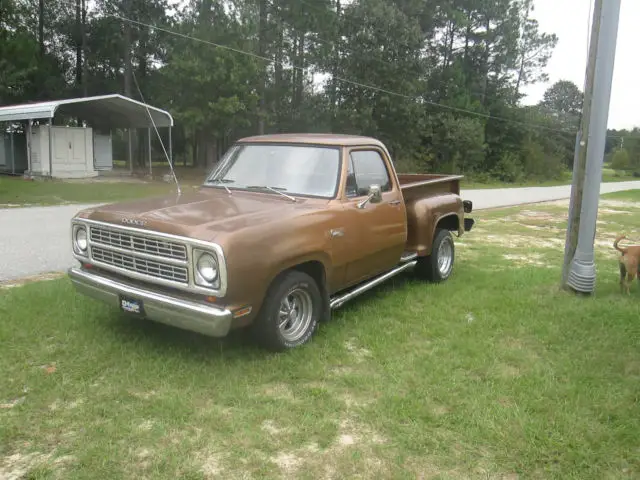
(375, 196)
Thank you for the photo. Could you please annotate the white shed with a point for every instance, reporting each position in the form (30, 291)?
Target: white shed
(59, 151)
(71, 150)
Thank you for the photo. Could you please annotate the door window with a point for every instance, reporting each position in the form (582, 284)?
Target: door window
(365, 168)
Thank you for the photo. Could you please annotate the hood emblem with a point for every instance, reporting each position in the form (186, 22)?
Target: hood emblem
(133, 221)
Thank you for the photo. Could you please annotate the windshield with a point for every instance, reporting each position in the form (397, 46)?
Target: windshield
(295, 169)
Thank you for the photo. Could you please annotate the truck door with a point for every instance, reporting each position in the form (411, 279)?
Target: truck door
(375, 234)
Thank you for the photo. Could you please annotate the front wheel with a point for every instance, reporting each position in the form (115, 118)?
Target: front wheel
(438, 266)
(290, 313)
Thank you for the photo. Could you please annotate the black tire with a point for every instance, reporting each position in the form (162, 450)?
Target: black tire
(303, 294)
(430, 267)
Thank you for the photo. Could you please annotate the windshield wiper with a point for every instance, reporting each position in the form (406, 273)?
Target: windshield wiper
(223, 181)
(273, 189)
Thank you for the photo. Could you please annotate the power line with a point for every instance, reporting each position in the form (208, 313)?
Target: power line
(380, 60)
(341, 79)
(344, 80)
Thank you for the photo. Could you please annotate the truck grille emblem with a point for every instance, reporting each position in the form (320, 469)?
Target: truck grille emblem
(133, 221)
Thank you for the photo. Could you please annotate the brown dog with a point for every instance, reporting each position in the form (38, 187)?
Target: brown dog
(629, 263)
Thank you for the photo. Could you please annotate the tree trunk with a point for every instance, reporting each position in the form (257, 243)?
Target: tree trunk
(279, 47)
(333, 95)
(85, 79)
(523, 49)
(262, 51)
(299, 87)
(126, 45)
(41, 26)
(485, 66)
(78, 45)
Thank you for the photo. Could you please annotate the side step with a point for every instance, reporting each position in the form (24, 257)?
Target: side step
(408, 256)
(339, 300)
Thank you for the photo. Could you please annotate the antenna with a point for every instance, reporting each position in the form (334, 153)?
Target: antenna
(156, 129)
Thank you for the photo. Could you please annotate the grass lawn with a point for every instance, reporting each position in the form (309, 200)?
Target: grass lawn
(494, 374)
(15, 191)
(19, 192)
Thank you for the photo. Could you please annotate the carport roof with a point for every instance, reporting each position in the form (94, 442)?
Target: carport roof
(114, 110)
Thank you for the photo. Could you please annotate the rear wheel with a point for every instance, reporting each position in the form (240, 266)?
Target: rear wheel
(438, 266)
(290, 313)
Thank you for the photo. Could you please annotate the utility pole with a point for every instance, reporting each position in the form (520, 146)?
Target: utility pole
(579, 271)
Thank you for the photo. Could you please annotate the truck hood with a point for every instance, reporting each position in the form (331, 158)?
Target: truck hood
(203, 214)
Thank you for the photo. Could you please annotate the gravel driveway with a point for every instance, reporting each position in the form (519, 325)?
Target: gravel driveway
(36, 240)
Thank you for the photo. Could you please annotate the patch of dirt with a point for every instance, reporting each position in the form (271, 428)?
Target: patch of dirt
(351, 401)
(42, 277)
(13, 403)
(609, 211)
(287, 462)
(342, 370)
(211, 465)
(534, 259)
(280, 391)
(144, 395)
(143, 453)
(350, 435)
(618, 204)
(544, 216)
(146, 425)
(524, 241)
(440, 410)
(542, 228)
(58, 404)
(18, 465)
(270, 427)
(359, 353)
(508, 371)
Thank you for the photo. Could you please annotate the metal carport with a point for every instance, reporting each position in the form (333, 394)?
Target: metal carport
(104, 111)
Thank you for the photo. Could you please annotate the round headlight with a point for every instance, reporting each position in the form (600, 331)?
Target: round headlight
(207, 267)
(81, 238)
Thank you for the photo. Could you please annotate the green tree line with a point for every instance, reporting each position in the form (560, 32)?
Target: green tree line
(439, 81)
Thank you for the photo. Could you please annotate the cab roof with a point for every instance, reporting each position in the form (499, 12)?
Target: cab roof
(314, 139)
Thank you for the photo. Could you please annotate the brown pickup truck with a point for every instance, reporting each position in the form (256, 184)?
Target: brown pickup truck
(284, 230)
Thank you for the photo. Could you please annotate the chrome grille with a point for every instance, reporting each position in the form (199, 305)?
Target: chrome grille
(138, 243)
(141, 265)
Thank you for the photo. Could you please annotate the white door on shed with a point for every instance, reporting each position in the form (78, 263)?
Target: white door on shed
(69, 149)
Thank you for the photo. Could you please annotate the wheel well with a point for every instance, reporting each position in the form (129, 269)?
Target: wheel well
(315, 270)
(450, 222)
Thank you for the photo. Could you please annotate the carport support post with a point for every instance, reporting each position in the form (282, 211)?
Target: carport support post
(170, 149)
(129, 151)
(50, 148)
(29, 147)
(149, 145)
(13, 155)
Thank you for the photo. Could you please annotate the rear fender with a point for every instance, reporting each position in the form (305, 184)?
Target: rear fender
(427, 214)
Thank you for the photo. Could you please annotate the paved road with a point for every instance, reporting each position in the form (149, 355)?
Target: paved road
(36, 240)
(504, 197)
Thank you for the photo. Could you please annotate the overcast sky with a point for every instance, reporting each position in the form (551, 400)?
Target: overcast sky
(570, 21)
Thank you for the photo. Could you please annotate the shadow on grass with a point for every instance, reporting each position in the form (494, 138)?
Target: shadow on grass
(165, 339)
(129, 331)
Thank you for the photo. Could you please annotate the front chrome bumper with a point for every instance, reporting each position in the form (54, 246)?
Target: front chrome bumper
(205, 319)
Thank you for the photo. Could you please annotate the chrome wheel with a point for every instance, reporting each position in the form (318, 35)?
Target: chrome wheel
(295, 314)
(445, 257)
